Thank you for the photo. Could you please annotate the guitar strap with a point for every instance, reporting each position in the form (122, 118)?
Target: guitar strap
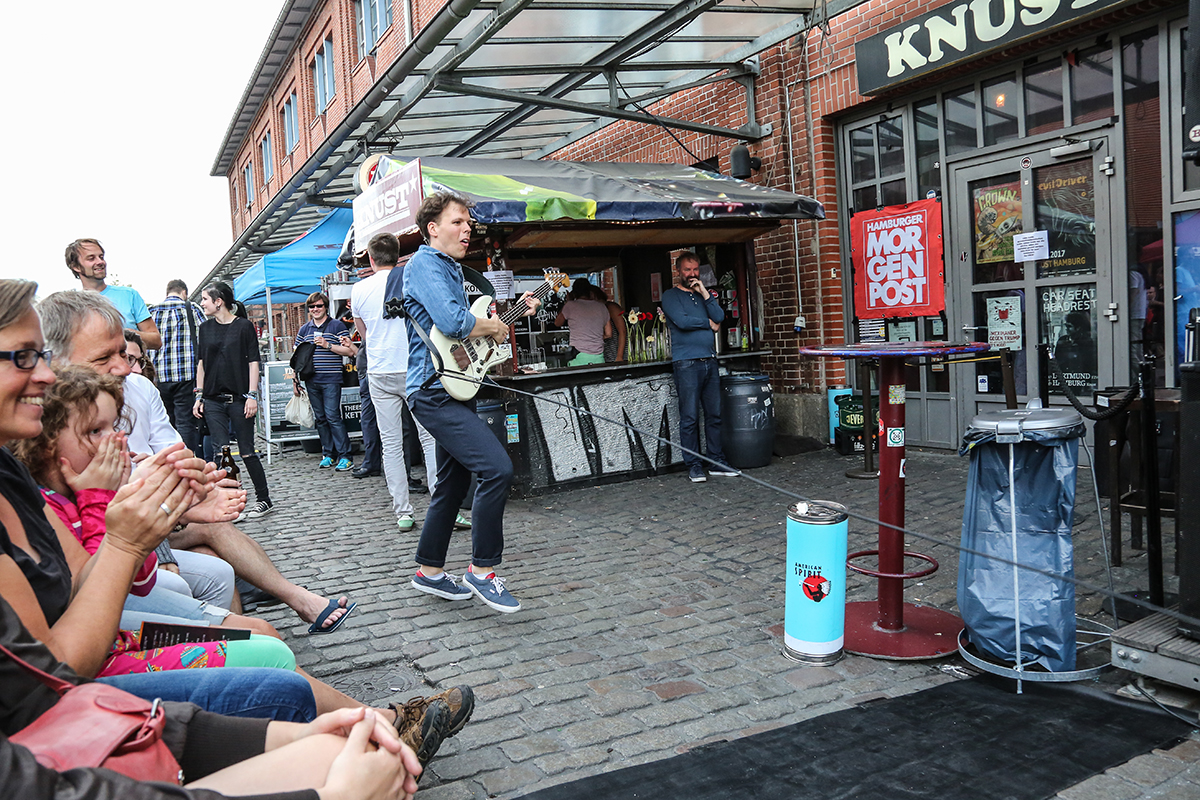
(394, 308)
(477, 278)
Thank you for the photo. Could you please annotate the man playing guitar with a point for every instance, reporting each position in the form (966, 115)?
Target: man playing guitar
(434, 296)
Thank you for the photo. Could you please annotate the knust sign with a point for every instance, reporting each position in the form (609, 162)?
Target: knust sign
(958, 31)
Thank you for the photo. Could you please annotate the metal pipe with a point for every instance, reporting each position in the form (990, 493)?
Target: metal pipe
(1012, 521)
(1150, 483)
(891, 494)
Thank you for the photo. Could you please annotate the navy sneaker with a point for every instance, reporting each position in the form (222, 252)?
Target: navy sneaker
(492, 592)
(696, 474)
(444, 586)
(723, 469)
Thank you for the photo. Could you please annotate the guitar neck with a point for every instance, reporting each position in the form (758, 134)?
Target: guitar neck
(516, 312)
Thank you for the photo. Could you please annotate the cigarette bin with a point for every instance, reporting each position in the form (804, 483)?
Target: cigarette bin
(1019, 507)
(814, 620)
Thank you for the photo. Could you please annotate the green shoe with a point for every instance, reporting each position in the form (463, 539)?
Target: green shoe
(461, 523)
(406, 522)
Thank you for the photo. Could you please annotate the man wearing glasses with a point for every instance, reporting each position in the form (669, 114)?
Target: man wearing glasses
(325, 388)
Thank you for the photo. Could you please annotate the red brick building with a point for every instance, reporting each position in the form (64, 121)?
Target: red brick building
(1020, 117)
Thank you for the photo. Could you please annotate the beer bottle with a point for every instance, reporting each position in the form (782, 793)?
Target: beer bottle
(229, 465)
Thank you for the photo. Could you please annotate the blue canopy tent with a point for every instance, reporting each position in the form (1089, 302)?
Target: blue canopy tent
(292, 273)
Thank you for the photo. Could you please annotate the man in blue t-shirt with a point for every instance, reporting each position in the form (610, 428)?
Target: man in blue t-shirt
(325, 387)
(691, 310)
(85, 259)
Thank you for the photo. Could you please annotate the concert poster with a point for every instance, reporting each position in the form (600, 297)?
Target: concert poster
(997, 217)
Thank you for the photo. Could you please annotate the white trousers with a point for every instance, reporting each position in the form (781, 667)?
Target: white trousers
(388, 397)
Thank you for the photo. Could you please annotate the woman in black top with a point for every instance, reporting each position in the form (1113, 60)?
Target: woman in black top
(227, 368)
(81, 615)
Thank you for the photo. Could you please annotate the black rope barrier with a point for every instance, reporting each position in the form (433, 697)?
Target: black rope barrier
(1077, 582)
(1121, 404)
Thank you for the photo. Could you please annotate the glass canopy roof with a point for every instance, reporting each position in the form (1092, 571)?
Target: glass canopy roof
(519, 79)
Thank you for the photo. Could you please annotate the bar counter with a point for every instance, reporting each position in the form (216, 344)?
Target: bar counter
(553, 446)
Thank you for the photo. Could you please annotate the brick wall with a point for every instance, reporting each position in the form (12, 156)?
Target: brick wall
(821, 61)
(825, 60)
(353, 78)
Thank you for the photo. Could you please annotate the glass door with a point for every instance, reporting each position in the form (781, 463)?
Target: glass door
(1062, 295)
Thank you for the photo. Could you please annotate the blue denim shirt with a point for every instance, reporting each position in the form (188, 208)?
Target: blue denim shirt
(688, 316)
(433, 295)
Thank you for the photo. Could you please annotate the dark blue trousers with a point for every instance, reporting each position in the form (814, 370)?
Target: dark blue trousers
(372, 446)
(699, 385)
(465, 445)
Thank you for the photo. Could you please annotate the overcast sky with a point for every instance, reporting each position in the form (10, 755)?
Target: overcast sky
(113, 117)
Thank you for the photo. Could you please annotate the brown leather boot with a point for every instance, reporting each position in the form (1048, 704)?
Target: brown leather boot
(460, 700)
(423, 727)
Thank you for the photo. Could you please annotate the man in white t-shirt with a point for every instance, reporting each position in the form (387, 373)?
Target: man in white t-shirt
(387, 368)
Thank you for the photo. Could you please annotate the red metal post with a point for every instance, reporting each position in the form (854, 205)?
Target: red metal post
(891, 491)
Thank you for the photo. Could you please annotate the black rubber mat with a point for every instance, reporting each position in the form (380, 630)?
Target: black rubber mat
(972, 739)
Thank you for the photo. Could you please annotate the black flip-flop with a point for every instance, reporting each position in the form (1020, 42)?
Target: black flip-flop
(324, 615)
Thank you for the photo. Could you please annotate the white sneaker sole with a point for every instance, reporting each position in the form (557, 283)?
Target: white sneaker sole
(420, 587)
(700, 479)
(489, 603)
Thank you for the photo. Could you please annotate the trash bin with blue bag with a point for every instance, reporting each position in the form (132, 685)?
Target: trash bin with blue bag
(1020, 506)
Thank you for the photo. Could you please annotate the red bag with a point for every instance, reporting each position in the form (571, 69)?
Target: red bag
(95, 725)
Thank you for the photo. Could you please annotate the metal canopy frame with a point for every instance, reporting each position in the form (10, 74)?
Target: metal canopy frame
(513, 79)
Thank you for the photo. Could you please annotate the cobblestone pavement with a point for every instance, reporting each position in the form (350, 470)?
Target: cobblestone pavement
(652, 617)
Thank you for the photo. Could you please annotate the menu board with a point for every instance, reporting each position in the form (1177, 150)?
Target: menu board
(276, 388)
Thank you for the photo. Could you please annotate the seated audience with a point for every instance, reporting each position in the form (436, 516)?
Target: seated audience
(84, 329)
(71, 600)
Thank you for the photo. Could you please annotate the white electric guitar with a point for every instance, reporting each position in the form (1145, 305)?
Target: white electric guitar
(462, 383)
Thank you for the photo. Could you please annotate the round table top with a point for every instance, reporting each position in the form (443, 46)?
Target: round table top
(893, 349)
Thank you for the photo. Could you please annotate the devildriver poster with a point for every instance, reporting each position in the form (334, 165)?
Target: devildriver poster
(897, 257)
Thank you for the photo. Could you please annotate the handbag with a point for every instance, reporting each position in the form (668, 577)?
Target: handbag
(96, 725)
(299, 410)
(302, 361)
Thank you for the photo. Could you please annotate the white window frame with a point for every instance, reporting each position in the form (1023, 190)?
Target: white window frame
(291, 123)
(322, 74)
(248, 180)
(372, 18)
(264, 148)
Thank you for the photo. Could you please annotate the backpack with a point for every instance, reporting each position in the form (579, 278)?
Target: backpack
(302, 361)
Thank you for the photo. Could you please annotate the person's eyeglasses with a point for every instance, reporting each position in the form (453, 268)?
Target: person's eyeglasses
(317, 305)
(133, 361)
(26, 359)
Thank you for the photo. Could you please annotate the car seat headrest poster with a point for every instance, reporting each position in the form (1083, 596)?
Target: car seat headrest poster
(897, 256)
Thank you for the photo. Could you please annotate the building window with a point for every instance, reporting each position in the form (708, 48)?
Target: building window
(248, 181)
(322, 75)
(372, 18)
(291, 124)
(268, 161)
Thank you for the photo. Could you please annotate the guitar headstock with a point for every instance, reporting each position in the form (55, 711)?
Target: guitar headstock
(557, 279)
